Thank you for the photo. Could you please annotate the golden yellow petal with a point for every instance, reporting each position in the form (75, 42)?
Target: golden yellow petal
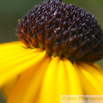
(73, 79)
(48, 86)
(11, 45)
(29, 83)
(8, 86)
(59, 79)
(8, 50)
(93, 70)
(91, 85)
(59, 86)
(62, 82)
(97, 67)
(15, 64)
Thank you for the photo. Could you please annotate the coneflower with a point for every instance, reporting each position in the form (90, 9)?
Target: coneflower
(61, 44)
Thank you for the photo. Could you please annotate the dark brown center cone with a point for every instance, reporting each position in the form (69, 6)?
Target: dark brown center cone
(62, 30)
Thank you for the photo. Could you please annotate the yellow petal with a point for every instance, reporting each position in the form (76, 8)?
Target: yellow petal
(93, 70)
(90, 84)
(58, 84)
(8, 86)
(15, 64)
(97, 67)
(59, 79)
(8, 50)
(48, 90)
(29, 83)
(6, 47)
(11, 44)
(73, 79)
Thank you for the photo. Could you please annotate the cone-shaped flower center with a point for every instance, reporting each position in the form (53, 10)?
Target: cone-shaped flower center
(62, 30)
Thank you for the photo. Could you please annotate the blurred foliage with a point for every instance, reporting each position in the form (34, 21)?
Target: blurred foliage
(12, 10)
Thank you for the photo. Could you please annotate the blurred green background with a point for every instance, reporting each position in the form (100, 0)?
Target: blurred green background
(12, 10)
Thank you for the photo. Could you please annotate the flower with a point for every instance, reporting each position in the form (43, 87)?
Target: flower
(50, 65)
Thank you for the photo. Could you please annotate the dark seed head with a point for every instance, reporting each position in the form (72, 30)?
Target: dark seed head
(62, 30)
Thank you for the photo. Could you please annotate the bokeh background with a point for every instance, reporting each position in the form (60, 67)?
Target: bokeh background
(12, 10)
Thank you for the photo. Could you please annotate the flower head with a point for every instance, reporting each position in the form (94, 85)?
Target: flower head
(62, 30)
(62, 42)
